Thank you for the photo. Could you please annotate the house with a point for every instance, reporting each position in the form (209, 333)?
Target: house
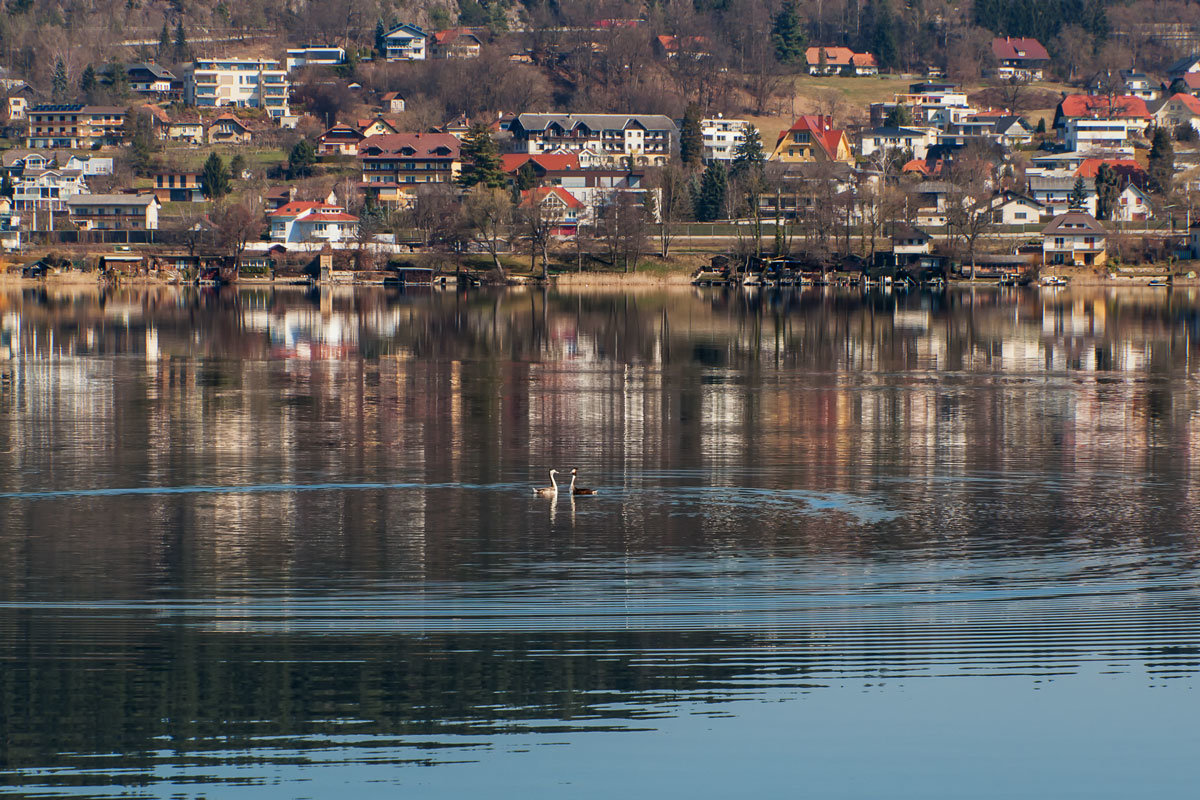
(114, 212)
(1012, 208)
(47, 189)
(1054, 191)
(1023, 59)
(722, 137)
(839, 60)
(1074, 239)
(183, 129)
(1176, 110)
(17, 106)
(88, 165)
(803, 188)
(693, 47)
(454, 43)
(227, 129)
(931, 200)
(545, 167)
(1091, 135)
(150, 78)
(395, 165)
(319, 56)
(911, 241)
(1130, 82)
(928, 103)
(1085, 106)
(393, 103)
(1052, 163)
(75, 126)
(1127, 169)
(340, 140)
(404, 43)
(300, 221)
(277, 197)
(613, 139)
(245, 82)
(590, 186)
(1133, 205)
(884, 140)
(375, 127)
(1189, 65)
(1011, 131)
(813, 138)
(178, 186)
(558, 205)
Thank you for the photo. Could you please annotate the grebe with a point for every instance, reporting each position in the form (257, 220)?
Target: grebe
(548, 491)
(580, 489)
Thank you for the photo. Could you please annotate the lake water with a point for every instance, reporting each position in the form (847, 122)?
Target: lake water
(281, 544)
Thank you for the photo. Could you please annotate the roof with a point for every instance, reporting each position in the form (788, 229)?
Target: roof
(1125, 167)
(299, 208)
(227, 117)
(342, 131)
(1074, 222)
(1192, 103)
(111, 199)
(550, 162)
(836, 56)
(452, 34)
(670, 44)
(405, 27)
(1083, 105)
(908, 232)
(893, 132)
(389, 96)
(544, 192)
(1183, 65)
(154, 69)
(1010, 49)
(540, 122)
(425, 145)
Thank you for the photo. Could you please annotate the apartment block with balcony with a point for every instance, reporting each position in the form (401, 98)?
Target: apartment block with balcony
(47, 189)
(74, 126)
(608, 139)
(722, 137)
(299, 221)
(405, 43)
(1074, 239)
(395, 166)
(244, 82)
(114, 212)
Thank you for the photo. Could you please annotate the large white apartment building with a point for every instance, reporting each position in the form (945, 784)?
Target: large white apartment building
(1090, 135)
(606, 139)
(722, 137)
(246, 82)
(327, 56)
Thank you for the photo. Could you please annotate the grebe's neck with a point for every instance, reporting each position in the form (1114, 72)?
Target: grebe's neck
(552, 481)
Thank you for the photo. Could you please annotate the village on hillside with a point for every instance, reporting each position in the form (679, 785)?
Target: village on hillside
(321, 161)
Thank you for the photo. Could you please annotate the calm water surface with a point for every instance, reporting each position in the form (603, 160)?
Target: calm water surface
(281, 544)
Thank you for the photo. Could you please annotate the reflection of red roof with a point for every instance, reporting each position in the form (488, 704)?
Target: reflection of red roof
(1010, 49)
(822, 131)
(551, 162)
(1083, 105)
(1125, 167)
(542, 193)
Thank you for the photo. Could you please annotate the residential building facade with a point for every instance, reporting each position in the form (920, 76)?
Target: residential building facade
(300, 221)
(324, 56)
(1074, 239)
(609, 139)
(114, 212)
(395, 166)
(75, 126)
(1023, 59)
(246, 82)
(405, 43)
(722, 137)
(813, 138)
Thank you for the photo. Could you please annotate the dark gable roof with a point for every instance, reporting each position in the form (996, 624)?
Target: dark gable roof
(154, 69)
(1074, 223)
(595, 122)
(425, 145)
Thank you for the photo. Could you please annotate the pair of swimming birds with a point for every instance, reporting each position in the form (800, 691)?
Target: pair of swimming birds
(552, 489)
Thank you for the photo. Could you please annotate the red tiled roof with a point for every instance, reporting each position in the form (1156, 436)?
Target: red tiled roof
(1188, 100)
(542, 193)
(1010, 49)
(450, 34)
(834, 56)
(297, 207)
(864, 60)
(424, 145)
(1192, 80)
(670, 44)
(1083, 105)
(1125, 167)
(551, 162)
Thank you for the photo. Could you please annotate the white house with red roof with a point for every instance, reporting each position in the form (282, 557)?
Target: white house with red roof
(454, 43)
(303, 221)
(558, 205)
(1176, 110)
(838, 60)
(1023, 59)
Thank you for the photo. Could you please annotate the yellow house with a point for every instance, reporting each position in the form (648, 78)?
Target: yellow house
(812, 137)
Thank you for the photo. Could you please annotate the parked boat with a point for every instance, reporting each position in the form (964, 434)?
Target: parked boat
(1053, 280)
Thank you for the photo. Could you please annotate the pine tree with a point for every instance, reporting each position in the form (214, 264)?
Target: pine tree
(749, 156)
(380, 38)
(164, 41)
(1161, 164)
(481, 160)
(883, 43)
(118, 80)
(526, 177)
(1077, 199)
(59, 83)
(691, 137)
(87, 82)
(1108, 191)
(787, 35)
(710, 199)
(237, 165)
(182, 51)
(214, 177)
(301, 159)
(898, 117)
(143, 143)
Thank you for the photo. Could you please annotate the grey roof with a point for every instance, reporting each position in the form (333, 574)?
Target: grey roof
(1003, 124)
(154, 69)
(1056, 183)
(539, 122)
(933, 187)
(1074, 222)
(111, 199)
(908, 232)
(1183, 64)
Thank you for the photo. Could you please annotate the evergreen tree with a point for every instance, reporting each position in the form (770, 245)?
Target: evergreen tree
(143, 143)
(164, 42)
(59, 82)
(6, 186)
(182, 51)
(301, 159)
(787, 35)
(898, 117)
(526, 177)
(118, 80)
(1108, 191)
(1077, 199)
(691, 138)
(710, 198)
(749, 156)
(214, 177)
(883, 43)
(88, 83)
(237, 165)
(1041, 126)
(481, 160)
(380, 38)
(1161, 164)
